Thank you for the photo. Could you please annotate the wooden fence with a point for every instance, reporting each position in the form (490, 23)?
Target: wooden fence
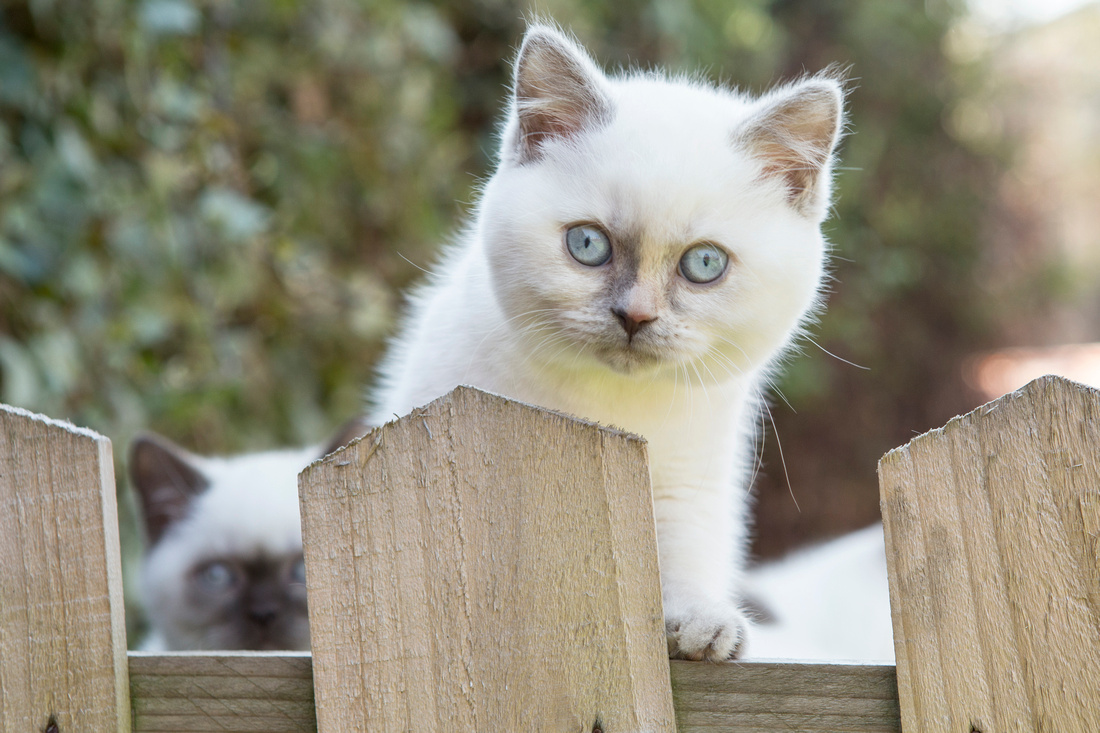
(482, 565)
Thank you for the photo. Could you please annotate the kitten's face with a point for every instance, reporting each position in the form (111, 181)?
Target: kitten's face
(224, 568)
(652, 239)
(243, 602)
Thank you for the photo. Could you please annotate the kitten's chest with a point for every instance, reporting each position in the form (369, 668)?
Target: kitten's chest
(691, 434)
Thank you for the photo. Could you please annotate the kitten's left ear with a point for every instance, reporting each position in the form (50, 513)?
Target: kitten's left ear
(795, 134)
(558, 93)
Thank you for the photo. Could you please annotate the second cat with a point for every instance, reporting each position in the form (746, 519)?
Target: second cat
(223, 567)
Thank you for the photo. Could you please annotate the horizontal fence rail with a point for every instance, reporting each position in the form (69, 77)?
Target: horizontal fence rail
(271, 692)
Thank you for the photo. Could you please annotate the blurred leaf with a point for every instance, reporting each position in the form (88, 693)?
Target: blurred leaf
(169, 17)
(17, 87)
(20, 375)
(236, 216)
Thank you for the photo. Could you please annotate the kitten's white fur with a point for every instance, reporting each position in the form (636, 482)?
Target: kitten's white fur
(660, 164)
(250, 509)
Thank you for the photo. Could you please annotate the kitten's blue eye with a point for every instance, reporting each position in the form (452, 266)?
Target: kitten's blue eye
(703, 263)
(298, 572)
(588, 245)
(216, 576)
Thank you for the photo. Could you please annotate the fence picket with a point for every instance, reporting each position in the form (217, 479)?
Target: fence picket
(485, 565)
(62, 631)
(992, 532)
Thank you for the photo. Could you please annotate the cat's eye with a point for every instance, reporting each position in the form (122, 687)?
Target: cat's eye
(703, 263)
(298, 572)
(588, 245)
(216, 577)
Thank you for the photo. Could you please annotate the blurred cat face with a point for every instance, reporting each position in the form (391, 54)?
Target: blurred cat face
(224, 568)
(244, 603)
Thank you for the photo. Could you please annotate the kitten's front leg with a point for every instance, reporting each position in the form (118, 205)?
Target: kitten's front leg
(699, 548)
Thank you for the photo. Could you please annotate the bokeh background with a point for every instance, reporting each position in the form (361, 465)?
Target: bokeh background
(209, 209)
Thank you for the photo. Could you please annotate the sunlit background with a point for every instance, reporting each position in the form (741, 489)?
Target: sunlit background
(209, 208)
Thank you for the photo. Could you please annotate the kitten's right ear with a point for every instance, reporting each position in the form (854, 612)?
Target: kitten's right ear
(167, 479)
(558, 92)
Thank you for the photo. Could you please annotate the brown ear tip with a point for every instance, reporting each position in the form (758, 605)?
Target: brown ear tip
(824, 91)
(545, 38)
(145, 446)
(357, 427)
(142, 439)
(542, 30)
(138, 449)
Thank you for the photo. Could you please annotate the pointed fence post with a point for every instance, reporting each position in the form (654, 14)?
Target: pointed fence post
(993, 548)
(62, 630)
(484, 565)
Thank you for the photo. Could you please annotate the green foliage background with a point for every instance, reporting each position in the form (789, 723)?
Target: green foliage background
(209, 208)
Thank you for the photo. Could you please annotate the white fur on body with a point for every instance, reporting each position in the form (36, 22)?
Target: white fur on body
(510, 311)
(250, 509)
(830, 602)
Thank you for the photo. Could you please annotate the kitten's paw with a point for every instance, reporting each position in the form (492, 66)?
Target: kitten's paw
(712, 634)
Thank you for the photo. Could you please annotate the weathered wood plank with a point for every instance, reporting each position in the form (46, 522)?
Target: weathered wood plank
(62, 631)
(254, 692)
(761, 697)
(992, 545)
(485, 565)
(245, 692)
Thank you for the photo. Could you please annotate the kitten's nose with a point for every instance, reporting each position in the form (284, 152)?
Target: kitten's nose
(632, 321)
(263, 614)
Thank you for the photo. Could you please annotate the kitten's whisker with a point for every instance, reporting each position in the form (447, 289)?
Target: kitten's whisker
(576, 356)
(735, 345)
(727, 364)
(675, 388)
(782, 460)
(731, 367)
(772, 386)
(702, 384)
(428, 272)
(548, 342)
(758, 463)
(712, 375)
(691, 397)
(838, 358)
(583, 347)
(492, 331)
(566, 343)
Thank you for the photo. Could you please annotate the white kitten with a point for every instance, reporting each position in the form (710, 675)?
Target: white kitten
(645, 251)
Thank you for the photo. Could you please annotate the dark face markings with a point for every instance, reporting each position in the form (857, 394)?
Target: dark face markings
(266, 610)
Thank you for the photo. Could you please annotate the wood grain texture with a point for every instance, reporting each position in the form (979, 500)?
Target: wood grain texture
(244, 692)
(62, 631)
(992, 532)
(765, 697)
(254, 692)
(484, 565)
